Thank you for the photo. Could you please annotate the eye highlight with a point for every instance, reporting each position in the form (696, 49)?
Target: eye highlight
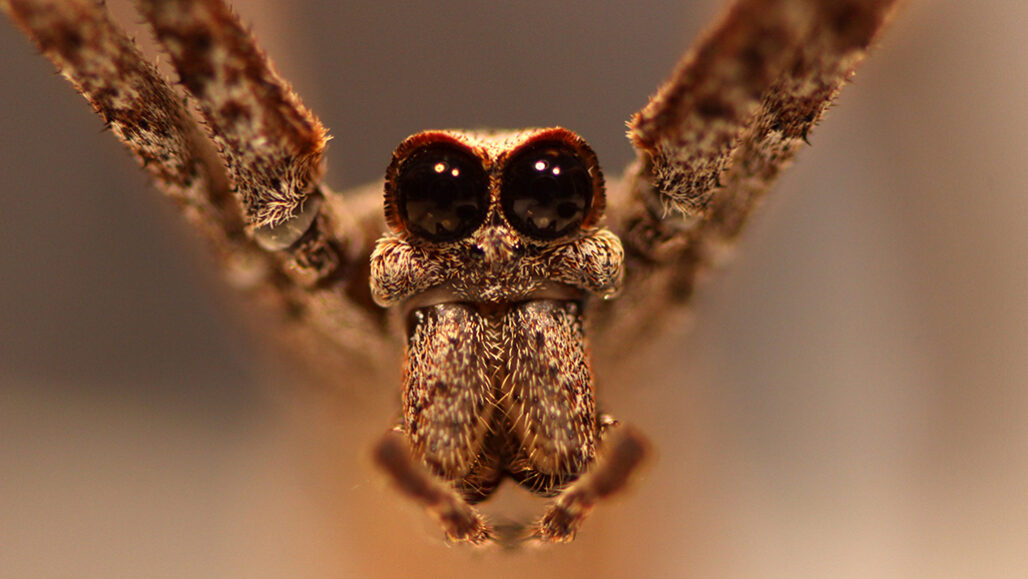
(546, 191)
(442, 193)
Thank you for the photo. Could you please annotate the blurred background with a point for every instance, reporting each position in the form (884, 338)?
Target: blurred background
(850, 400)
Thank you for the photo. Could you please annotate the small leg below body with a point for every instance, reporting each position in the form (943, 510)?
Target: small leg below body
(621, 453)
(460, 521)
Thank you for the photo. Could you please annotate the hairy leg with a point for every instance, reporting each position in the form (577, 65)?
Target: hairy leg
(136, 104)
(714, 138)
(621, 452)
(460, 521)
(246, 175)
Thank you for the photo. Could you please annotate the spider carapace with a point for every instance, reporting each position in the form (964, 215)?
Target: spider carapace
(496, 245)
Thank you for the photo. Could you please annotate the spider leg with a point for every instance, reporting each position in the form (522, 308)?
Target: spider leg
(293, 247)
(735, 111)
(270, 142)
(620, 455)
(272, 145)
(136, 104)
(273, 148)
(460, 521)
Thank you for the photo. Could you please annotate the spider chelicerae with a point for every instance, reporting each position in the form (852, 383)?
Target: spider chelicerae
(496, 250)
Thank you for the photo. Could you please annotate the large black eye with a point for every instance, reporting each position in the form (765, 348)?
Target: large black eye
(442, 193)
(547, 191)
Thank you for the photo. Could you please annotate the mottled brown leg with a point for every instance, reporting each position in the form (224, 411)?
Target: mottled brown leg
(136, 105)
(620, 454)
(460, 521)
(735, 111)
(270, 142)
(266, 148)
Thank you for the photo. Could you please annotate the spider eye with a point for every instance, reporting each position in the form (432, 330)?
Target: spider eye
(442, 193)
(547, 191)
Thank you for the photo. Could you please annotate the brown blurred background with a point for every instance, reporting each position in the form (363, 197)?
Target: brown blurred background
(850, 402)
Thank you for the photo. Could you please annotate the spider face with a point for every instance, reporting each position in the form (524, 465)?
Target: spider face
(494, 218)
(494, 251)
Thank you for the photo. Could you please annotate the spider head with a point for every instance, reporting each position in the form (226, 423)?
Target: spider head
(491, 217)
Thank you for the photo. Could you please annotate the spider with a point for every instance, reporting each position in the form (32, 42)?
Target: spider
(496, 252)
